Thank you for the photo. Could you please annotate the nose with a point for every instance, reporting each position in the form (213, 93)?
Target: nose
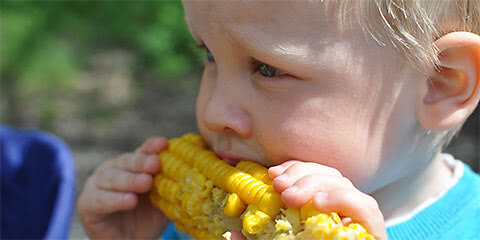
(224, 113)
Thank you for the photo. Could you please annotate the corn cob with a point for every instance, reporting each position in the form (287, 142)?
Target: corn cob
(206, 197)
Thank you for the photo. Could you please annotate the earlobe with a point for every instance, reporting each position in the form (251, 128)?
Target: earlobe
(453, 87)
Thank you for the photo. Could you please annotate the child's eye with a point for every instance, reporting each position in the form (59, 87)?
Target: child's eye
(210, 57)
(264, 69)
(268, 71)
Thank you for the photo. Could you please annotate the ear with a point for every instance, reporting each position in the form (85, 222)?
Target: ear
(452, 91)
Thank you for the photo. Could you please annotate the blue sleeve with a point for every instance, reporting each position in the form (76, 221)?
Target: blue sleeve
(37, 185)
(169, 233)
(172, 233)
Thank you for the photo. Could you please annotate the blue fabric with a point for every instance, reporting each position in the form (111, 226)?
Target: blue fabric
(37, 185)
(454, 216)
(171, 233)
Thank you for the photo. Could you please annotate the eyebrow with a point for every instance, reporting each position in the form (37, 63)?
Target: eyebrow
(279, 53)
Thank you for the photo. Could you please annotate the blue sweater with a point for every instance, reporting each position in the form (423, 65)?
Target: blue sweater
(456, 215)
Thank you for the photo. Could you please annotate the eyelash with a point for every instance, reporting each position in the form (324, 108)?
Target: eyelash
(256, 65)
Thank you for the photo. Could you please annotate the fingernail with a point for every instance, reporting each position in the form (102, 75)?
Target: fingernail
(152, 158)
(150, 161)
(277, 168)
(275, 171)
(155, 144)
(282, 178)
(128, 197)
(292, 189)
(142, 177)
(156, 141)
(320, 196)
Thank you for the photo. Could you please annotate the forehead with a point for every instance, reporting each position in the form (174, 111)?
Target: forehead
(244, 18)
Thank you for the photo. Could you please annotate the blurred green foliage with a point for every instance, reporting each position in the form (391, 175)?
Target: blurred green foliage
(44, 45)
(50, 40)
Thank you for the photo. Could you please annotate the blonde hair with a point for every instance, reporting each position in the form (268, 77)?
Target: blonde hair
(411, 27)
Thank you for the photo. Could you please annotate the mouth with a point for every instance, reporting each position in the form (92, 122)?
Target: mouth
(229, 157)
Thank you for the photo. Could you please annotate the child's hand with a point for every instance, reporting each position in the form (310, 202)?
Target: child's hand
(114, 203)
(298, 182)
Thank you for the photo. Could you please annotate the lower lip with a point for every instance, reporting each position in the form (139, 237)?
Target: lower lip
(228, 158)
(231, 161)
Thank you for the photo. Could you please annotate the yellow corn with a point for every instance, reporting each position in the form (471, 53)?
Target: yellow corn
(234, 206)
(256, 170)
(206, 197)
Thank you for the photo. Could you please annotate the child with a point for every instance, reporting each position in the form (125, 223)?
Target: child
(348, 102)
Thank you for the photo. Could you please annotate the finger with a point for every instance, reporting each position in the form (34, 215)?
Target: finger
(138, 162)
(361, 208)
(304, 188)
(153, 145)
(276, 171)
(115, 179)
(298, 170)
(104, 202)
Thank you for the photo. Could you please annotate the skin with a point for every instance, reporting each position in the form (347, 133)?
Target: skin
(341, 122)
(114, 203)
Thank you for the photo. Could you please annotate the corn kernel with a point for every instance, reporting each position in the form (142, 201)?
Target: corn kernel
(234, 206)
(256, 170)
(343, 233)
(254, 220)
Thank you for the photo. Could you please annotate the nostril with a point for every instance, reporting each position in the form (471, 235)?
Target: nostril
(228, 130)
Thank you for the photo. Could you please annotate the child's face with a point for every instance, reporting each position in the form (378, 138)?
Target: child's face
(286, 84)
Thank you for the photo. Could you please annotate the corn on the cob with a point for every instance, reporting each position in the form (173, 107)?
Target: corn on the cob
(206, 198)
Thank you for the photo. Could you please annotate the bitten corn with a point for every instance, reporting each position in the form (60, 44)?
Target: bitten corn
(207, 198)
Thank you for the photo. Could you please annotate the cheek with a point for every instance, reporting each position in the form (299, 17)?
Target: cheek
(340, 144)
(199, 106)
(202, 99)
